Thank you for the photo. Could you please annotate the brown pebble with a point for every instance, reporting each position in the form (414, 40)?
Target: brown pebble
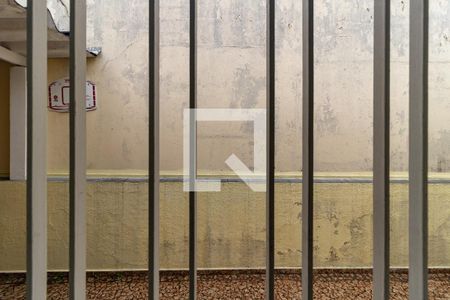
(328, 284)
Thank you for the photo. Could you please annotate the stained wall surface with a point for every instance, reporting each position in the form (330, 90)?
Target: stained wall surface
(231, 72)
(231, 226)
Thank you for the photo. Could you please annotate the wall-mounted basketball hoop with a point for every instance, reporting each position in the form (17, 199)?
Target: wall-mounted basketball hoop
(59, 95)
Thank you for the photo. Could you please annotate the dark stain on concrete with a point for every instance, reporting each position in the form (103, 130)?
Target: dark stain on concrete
(333, 256)
(325, 118)
(247, 88)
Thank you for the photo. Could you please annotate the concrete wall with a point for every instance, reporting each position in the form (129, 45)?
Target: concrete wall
(231, 226)
(232, 75)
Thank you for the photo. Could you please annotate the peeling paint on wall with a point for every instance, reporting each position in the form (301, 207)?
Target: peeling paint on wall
(231, 226)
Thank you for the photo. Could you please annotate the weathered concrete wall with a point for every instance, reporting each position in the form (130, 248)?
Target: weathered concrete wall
(231, 228)
(232, 74)
(4, 118)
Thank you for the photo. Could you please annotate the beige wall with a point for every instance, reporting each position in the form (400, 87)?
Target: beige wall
(231, 72)
(231, 226)
(4, 118)
(232, 75)
(116, 139)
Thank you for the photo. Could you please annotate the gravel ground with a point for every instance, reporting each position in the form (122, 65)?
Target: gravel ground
(328, 284)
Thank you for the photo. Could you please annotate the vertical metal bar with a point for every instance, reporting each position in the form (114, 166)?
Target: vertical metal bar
(381, 98)
(193, 150)
(270, 178)
(153, 168)
(37, 149)
(77, 180)
(418, 151)
(308, 149)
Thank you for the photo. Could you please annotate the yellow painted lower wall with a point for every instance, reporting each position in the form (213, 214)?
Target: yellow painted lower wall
(231, 228)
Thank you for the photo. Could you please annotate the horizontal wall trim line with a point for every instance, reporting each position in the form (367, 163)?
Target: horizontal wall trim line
(248, 270)
(239, 180)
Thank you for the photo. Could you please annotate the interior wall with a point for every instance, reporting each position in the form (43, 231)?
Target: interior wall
(4, 118)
